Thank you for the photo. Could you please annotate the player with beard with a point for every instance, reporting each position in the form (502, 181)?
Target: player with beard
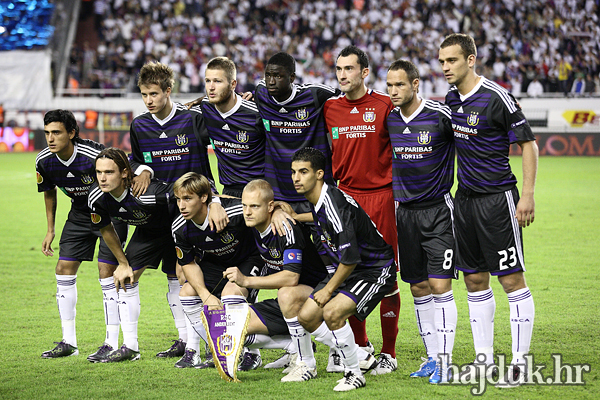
(423, 173)
(234, 128)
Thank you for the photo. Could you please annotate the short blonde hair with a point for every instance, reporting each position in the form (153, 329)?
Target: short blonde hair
(193, 182)
(263, 186)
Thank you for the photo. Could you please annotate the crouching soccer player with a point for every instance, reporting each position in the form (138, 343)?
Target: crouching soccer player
(365, 270)
(292, 265)
(68, 162)
(151, 214)
(216, 251)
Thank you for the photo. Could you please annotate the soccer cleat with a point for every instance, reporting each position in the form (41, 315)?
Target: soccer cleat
(249, 362)
(122, 354)
(367, 364)
(334, 364)
(385, 364)
(492, 372)
(515, 376)
(369, 348)
(177, 349)
(102, 352)
(62, 349)
(281, 362)
(426, 368)
(300, 373)
(191, 359)
(208, 363)
(439, 375)
(351, 381)
(289, 368)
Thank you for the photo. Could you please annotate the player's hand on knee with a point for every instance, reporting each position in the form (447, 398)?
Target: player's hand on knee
(322, 297)
(122, 275)
(140, 183)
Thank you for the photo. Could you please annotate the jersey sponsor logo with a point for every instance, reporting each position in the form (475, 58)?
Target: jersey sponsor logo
(335, 132)
(178, 252)
(302, 114)
(147, 156)
(242, 136)
(424, 138)
(87, 179)
(274, 253)
(139, 214)
(70, 175)
(39, 177)
(181, 140)
(95, 218)
(473, 119)
(227, 237)
(354, 111)
(226, 127)
(369, 115)
(267, 124)
(163, 136)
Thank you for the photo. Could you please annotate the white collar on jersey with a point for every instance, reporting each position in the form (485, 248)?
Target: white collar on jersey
(294, 86)
(122, 196)
(205, 223)
(321, 197)
(472, 92)
(417, 111)
(70, 160)
(238, 104)
(266, 232)
(161, 122)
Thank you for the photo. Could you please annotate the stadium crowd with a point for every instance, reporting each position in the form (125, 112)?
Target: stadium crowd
(555, 41)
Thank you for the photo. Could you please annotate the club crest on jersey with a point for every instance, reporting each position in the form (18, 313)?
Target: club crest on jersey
(39, 178)
(96, 218)
(139, 214)
(227, 237)
(178, 252)
(181, 140)
(274, 253)
(226, 344)
(242, 136)
(88, 180)
(369, 115)
(424, 137)
(473, 120)
(302, 114)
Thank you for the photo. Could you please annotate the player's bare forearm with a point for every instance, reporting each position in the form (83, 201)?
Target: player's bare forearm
(273, 281)
(195, 277)
(50, 205)
(525, 212)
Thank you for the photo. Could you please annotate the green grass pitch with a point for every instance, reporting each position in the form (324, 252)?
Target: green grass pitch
(562, 256)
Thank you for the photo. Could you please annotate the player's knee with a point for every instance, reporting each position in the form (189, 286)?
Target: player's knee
(67, 268)
(420, 289)
(187, 290)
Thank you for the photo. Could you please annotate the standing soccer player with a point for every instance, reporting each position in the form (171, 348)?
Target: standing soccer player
(152, 215)
(166, 142)
(362, 162)
(423, 174)
(364, 265)
(489, 214)
(234, 127)
(68, 162)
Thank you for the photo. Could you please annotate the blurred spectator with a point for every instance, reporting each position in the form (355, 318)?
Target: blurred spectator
(578, 87)
(535, 88)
